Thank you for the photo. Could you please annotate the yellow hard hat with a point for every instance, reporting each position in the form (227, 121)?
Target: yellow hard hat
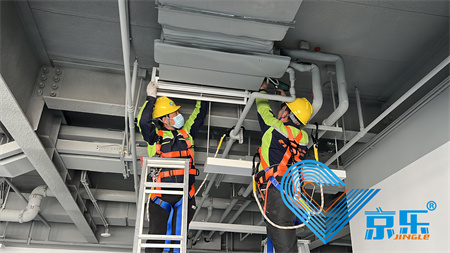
(164, 106)
(301, 108)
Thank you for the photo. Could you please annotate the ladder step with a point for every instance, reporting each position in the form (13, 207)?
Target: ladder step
(161, 237)
(164, 185)
(165, 192)
(159, 245)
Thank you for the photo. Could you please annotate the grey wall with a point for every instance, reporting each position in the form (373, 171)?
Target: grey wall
(18, 64)
(423, 132)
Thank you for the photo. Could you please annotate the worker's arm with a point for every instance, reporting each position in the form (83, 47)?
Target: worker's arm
(195, 121)
(145, 124)
(266, 118)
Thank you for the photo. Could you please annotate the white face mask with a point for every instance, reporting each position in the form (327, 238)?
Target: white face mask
(179, 121)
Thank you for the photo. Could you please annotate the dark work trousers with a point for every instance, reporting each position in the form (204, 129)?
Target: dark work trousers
(159, 217)
(283, 240)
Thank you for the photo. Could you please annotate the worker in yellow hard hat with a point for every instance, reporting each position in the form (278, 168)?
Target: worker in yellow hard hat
(284, 142)
(173, 138)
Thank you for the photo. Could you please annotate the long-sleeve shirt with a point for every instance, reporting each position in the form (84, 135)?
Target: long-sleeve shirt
(273, 130)
(172, 140)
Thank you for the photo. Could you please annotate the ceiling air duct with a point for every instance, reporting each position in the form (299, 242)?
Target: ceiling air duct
(226, 43)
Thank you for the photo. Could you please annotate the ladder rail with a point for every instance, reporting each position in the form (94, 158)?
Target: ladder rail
(143, 192)
(139, 225)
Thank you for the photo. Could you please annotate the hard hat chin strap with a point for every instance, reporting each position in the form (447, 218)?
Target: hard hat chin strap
(293, 118)
(282, 112)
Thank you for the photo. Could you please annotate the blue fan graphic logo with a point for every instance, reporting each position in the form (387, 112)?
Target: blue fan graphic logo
(325, 224)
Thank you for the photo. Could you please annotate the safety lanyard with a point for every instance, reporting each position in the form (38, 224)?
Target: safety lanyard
(315, 139)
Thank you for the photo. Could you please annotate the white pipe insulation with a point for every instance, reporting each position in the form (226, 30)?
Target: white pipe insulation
(297, 55)
(31, 210)
(316, 84)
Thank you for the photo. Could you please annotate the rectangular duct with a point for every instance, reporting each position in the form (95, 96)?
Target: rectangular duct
(216, 68)
(224, 43)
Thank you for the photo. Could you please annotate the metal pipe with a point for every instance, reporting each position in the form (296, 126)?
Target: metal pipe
(224, 215)
(340, 77)
(243, 193)
(358, 106)
(208, 216)
(25, 199)
(31, 210)
(316, 84)
(413, 89)
(126, 64)
(238, 212)
(406, 115)
(209, 129)
(133, 80)
(246, 235)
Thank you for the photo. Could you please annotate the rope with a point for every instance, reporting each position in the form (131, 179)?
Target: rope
(217, 151)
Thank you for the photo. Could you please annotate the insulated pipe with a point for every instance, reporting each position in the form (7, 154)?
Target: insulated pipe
(316, 87)
(358, 106)
(363, 132)
(30, 212)
(340, 77)
(126, 64)
(25, 199)
(234, 134)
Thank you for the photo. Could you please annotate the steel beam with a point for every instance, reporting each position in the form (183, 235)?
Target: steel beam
(214, 226)
(14, 119)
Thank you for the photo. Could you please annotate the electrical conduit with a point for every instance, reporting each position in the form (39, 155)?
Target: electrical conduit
(126, 63)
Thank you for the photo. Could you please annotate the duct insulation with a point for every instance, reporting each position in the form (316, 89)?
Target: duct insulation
(222, 43)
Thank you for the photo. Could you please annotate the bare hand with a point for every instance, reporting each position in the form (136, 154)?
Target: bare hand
(282, 92)
(264, 85)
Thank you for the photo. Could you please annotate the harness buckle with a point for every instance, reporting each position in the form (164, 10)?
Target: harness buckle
(154, 173)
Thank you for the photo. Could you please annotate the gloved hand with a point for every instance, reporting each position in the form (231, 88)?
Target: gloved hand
(151, 89)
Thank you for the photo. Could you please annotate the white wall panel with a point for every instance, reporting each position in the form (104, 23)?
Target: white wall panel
(411, 188)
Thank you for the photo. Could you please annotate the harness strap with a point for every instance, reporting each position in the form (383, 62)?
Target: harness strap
(177, 172)
(173, 154)
(177, 220)
(282, 167)
(182, 153)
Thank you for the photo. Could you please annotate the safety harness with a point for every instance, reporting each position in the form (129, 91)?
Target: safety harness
(156, 198)
(270, 173)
